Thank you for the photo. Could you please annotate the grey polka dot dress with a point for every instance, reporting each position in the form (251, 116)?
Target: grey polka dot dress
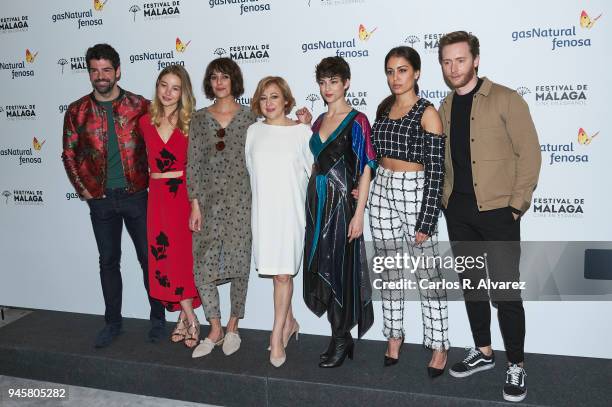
(220, 182)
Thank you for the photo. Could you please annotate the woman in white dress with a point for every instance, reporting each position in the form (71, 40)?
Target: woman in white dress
(279, 162)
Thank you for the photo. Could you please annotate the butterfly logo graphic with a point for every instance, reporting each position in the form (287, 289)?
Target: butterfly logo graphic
(30, 57)
(586, 21)
(364, 34)
(180, 46)
(583, 137)
(37, 145)
(98, 5)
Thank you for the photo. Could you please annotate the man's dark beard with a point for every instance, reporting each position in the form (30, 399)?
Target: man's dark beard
(104, 87)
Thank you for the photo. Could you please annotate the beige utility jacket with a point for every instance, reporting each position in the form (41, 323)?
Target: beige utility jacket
(504, 148)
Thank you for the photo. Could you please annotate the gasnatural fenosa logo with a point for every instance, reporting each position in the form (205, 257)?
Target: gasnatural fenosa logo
(84, 18)
(560, 36)
(25, 156)
(23, 68)
(346, 48)
(570, 153)
(163, 58)
(245, 6)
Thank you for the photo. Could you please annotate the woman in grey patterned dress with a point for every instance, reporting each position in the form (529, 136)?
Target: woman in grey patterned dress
(218, 183)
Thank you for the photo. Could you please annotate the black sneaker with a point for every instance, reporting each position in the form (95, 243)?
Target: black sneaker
(107, 334)
(474, 362)
(515, 388)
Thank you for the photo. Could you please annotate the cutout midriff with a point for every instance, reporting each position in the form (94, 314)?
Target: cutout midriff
(396, 165)
(169, 174)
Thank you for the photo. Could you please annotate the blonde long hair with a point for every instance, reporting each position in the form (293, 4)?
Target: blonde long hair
(186, 104)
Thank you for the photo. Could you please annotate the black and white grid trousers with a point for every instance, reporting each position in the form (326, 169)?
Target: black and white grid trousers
(394, 205)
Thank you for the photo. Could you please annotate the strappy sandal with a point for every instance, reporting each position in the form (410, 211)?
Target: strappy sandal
(179, 334)
(193, 334)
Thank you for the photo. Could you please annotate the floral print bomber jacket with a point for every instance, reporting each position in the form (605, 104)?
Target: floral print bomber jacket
(85, 140)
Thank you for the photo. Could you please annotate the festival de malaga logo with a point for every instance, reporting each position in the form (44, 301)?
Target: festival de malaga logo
(245, 53)
(312, 98)
(72, 64)
(23, 197)
(562, 36)
(84, 18)
(556, 94)
(10, 24)
(163, 58)
(558, 207)
(21, 68)
(358, 99)
(18, 112)
(157, 10)
(245, 6)
(427, 42)
(329, 3)
(347, 47)
(569, 153)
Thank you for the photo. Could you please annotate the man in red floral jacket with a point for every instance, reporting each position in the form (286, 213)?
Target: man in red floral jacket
(105, 159)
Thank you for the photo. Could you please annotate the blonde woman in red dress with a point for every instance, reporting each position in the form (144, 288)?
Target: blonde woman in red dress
(165, 129)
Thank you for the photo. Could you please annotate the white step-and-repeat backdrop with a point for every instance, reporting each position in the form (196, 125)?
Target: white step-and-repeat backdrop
(556, 54)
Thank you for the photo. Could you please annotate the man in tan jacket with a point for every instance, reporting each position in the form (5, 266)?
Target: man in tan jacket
(492, 166)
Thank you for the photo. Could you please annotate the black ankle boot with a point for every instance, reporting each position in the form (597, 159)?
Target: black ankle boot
(330, 350)
(343, 347)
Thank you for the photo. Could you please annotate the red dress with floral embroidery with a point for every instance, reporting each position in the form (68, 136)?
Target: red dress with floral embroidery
(168, 209)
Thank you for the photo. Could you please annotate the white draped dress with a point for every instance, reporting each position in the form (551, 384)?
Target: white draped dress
(279, 162)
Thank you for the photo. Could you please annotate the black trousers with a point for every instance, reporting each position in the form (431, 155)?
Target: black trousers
(496, 233)
(107, 218)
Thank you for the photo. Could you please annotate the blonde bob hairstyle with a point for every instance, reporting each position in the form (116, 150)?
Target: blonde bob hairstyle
(186, 103)
(263, 85)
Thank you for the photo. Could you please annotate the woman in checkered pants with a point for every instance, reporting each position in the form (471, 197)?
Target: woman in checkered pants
(405, 201)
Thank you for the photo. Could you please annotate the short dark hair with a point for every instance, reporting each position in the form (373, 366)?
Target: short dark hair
(456, 37)
(103, 51)
(333, 66)
(228, 67)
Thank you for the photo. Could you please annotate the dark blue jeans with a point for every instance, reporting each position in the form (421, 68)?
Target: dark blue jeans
(107, 217)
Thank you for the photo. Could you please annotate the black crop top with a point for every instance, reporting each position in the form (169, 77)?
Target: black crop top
(404, 139)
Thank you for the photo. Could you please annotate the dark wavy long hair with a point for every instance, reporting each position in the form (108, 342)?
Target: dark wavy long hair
(414, 59)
